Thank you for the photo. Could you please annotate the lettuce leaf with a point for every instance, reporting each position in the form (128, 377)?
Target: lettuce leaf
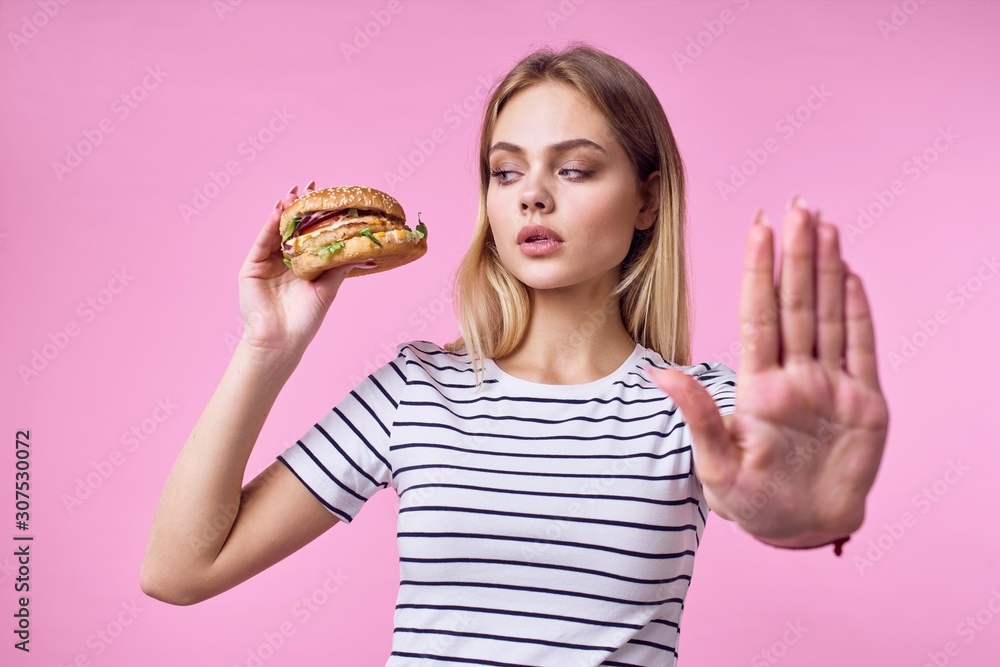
(292, 224)
(367, 231)
(327, 250)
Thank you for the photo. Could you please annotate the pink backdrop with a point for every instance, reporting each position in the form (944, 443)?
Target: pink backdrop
(144, 142)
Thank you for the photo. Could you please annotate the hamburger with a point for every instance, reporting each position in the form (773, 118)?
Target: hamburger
(327, 228)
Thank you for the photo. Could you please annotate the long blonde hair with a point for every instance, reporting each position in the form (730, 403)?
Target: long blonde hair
(492, 306)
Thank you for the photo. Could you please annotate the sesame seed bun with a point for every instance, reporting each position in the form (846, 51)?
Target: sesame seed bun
(341, 238)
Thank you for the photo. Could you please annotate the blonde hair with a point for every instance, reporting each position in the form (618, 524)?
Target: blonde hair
(492, 306)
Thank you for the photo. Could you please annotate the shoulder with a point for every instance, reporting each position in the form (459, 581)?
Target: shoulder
(718, 379)
(433, 359)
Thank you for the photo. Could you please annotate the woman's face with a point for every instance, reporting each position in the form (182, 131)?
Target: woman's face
(585, 193)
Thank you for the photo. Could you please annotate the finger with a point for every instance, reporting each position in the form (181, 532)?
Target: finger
(268, 240)
(798, 317)
(716, 458)
(292, 195)
(830, 298)
(758, 303)
(860, 352)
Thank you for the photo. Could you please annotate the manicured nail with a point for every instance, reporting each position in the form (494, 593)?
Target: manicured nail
(294, 188)
(796, 200)
(761, 218)
(277, 204)
(312, 184)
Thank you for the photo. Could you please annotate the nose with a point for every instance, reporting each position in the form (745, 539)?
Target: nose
(535, 197)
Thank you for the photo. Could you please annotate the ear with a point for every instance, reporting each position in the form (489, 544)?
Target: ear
(650, 191)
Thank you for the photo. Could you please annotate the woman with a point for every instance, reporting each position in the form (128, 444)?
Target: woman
(550, 504)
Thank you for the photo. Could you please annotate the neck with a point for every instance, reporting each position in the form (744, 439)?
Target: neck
(575, 335)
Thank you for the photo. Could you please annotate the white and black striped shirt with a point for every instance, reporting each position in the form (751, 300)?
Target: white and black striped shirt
(538, 524)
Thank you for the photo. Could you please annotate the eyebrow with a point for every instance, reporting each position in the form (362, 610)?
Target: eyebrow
(560, 147)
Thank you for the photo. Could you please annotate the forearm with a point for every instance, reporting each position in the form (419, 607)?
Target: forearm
(201, 496)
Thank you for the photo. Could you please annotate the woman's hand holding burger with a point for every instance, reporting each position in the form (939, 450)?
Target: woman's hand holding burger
(282, 312)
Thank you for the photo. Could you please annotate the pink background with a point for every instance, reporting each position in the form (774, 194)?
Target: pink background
(908, 581)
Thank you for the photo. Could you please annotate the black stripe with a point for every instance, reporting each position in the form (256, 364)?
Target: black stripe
(521, 640)
(384, 392)
(423, 363)
(328, 473)
(342, 514)
(510, 436)
(539, 540)
(471, 661)
(548, 517)
(615, 663)
(534, 399)
(374, 415)
(553, 566)
(542, 474)
(547, 494)
(537, 589)
(379, 422)
(643, 642)
(346, 456)
(531, 614)
(642, 455)
(436, 349)
(664, 622)
(593, 420)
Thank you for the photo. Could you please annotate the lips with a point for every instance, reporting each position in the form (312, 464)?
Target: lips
(536, 233)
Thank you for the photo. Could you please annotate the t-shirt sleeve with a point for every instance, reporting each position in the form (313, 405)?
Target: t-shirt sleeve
(720, 382)
(343, 459)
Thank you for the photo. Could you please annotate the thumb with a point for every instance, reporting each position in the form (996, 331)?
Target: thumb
(329, 282)
(716, 458)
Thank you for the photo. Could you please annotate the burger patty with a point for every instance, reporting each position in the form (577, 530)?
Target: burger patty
(340, 230)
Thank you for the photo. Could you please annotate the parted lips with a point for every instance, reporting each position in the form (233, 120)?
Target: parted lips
(349, 224)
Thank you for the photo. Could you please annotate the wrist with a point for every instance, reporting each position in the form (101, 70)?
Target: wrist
(282, 360)
(814, 540)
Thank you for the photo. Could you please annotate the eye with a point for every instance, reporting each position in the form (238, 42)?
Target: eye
(581, 173)
(499, 174)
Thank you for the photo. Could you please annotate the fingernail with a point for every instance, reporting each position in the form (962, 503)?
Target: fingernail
(761, 218)
(294, 188)
(796, 200)
(277, 203)
(312, 184)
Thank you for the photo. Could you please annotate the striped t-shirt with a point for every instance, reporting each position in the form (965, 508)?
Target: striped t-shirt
(538, 524)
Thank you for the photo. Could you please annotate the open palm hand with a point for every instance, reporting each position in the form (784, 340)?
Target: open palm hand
(794, 462)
